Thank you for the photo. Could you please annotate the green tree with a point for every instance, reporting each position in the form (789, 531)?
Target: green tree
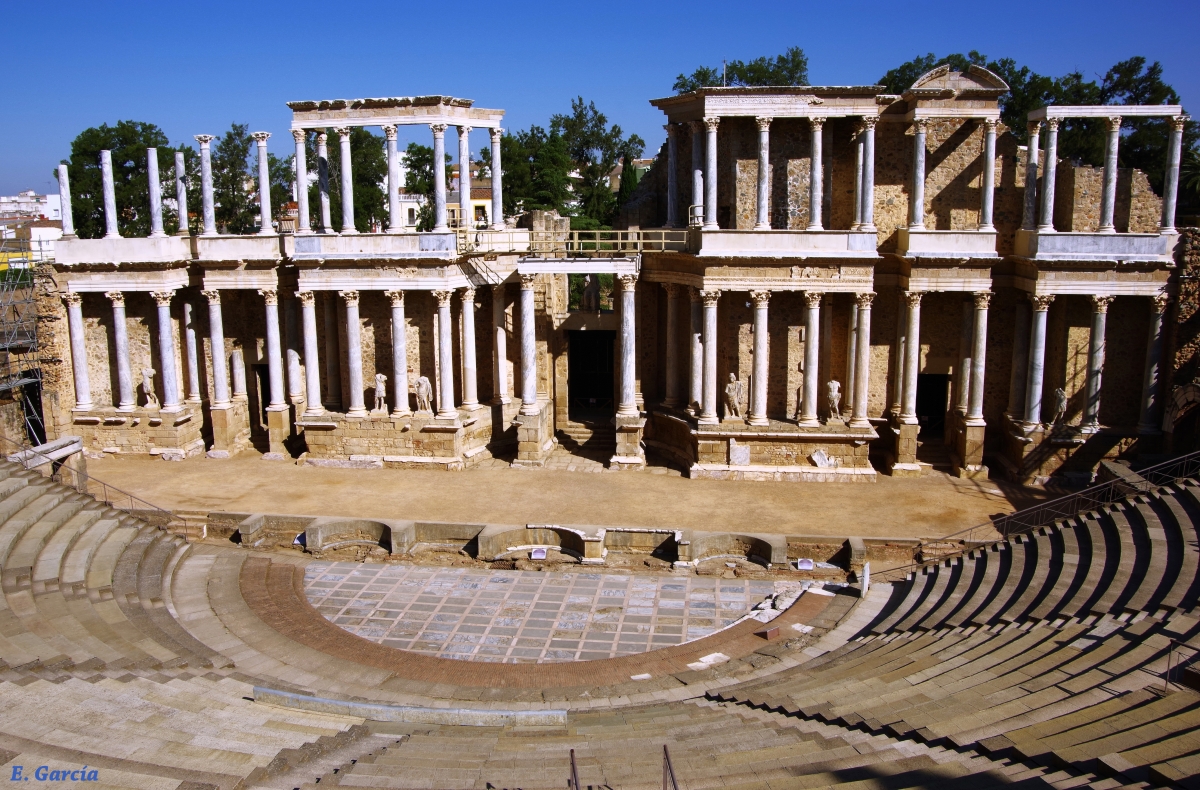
(282, 172)
(516, 163)
(127, 141)
(368, 166)
(595, 148)
(790, 68)
(418, 180)
(550, 175)
(235, 181)
(629, 182)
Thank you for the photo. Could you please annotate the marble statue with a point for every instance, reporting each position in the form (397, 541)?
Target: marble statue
(380, 392)
(148, 388)
(834, 394)
(734, 391)
(589, 302)
(424, 394)
(1060, 405)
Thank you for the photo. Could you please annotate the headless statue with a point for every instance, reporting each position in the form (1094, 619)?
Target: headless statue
(148, 388)
(424, 394)
(1060, 405)
(733, 397)
(589, 302)
(380, 392)
(834, 394)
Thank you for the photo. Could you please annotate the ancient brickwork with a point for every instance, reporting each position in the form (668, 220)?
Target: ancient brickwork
(1077, 195)
(1182, 322)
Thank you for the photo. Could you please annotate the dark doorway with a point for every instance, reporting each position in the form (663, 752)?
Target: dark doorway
(590, 374)
(932, 392)
(260, 396)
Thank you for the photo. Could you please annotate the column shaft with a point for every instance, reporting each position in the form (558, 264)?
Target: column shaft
(466, 214)
(155, 189)
(628, 404)
(499, 347)
(274, 351)
(127, 401)
(912, 358)
(868, 197)
(216, 341)
(237, 367)
(1149, 422)
(812, 358)
(710, 173)
(529, 404)
(469, 364)
(348, 225)
(497, 177)
(901, 353)
(303, 223)
(333, 356)
(399, 355)
(358, 407)
(1170, 178)
(708, 414)
(1108, 198)
(696, 358)
(1029, 215)
(64, 202)
(916, 208)
(264, 185)
(395, 218)
(323, 183)
(1037, 359)
(193, 357)
(1049, 176)
(312, 365)
(989, 175)
(180, 193)
(291, 341)
(697, 128)
(79, 361)
(763, 221)
(851, 355)
(816, 173)
(672, 176)
(207, 205)
(440, 221)
(1095, 370)
(862, 366)
(758, 404)
(672, 350)
(965, 350)
(858, 175)
(1020, 361)
(111, 230)
(978, 359)
(166, 351)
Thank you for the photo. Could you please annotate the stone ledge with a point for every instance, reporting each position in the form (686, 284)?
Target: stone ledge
(462, 717)
(784, 474)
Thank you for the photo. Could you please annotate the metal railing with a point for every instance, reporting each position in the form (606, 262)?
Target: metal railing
(669, 782)
(31, 459)
(573, 779)
(1040, 515)
(572, 243)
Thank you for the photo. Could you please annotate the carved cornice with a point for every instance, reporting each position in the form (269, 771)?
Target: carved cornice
(395, 297)
(270, 296)
(116, 297)
(162, 298)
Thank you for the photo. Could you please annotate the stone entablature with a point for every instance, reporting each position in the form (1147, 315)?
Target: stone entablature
(392, 111)
(798, 102)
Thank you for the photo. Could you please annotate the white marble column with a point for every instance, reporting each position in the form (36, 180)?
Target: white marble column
(440, 221)
(672, 345)
(672, 176)
(192, 355)
(395, 220)
(912, 357)
(1149, 423)
(216, 340)
(64, 201)
(466, 214)
(291, 350)
(981, 301)
(166, 351)
(859, 130)
(155, 189)
(497, 180)
(79, 361)
(237, 370)
(989, 174)
(333, 354)
(1020, 361)
(323, 182)
(710, 173)
(303, 223)
(763, 214)
(1037, 359)
(697, 128)
(274, 351)
(500, 391)
(868, 198)
(696, 345)
(812, 359)
(358, 407)
(312, 364)
(708, 410)
(264, 185)
(347, 183)
(126, 400)
(901, 353)
(1049, 177)
(111, 230)
(180, 194)
(816, 173)
(1029, 215)
(470, 383)
(758, 392)
(1108, 198)
(445, 404)
(399, 355)
(1095, 369)
(916, 205)
(1170, 177)
(965, 358)
(628, 285)
(207, 204)
(529, 404)
(851, 355)
(862, 365)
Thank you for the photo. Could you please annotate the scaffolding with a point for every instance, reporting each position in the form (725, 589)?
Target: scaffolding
(20, 367)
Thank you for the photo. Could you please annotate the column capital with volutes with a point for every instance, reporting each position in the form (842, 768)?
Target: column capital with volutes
(349, 297)
(670, 129)
(1113, 123)
(864, 299)
(763, 122)
(710, 298)
(760, 298)
(395, 297)
(261, 137)
(921, 125)
(306, 297)
(464, 130)
(913, 298)
(672, 289)
(116, 297)
(270, 295)
(527, 281)
(711, 124)
(1177, 122)
(322, 137)
(982, 299)
(1033, 128)
(868, 122)
(627, 281)
(496, 133)
(443, 297)
(389, 131)
(204, 139)
(438, 129)
(816, 124)
(299, 135)
(1052, 124)
(1100, 303)
(1041, 302)
(989, 124)
(212, 295)
(343, 132)
(162, 298)
(812, 299)
(72, 299)
(1160, 301)
(467, 294)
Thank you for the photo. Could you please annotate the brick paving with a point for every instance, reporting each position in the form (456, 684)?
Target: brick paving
(524, 616)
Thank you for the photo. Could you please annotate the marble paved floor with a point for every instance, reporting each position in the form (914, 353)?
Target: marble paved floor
(524, 616)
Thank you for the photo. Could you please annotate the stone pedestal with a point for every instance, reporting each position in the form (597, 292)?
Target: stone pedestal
(629, 453)
(417, 441)
(231, 430)
(171, 436)
(905, 451)
(967, 453)
(279, 428)
(535, 437)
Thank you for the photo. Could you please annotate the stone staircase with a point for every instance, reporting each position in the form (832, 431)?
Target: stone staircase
(589, 438)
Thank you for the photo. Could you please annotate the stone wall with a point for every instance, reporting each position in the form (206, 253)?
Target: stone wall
(171, 436)
(1182, 322)
(1077, 196)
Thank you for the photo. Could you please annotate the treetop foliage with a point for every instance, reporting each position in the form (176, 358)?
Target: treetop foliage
(790, 68)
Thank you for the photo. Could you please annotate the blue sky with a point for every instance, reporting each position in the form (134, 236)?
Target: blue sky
(197, 67)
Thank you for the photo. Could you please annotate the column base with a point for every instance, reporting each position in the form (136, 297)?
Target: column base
(530, 409)
(476, 406)
(905, 450)
(359, 412)
(629, 453)
(809, 422)
(501, 401)
(759, 422)
(535, 439)
(708, 419)
(279, 428)
(398, 413)
(317, 412)
(859, 423)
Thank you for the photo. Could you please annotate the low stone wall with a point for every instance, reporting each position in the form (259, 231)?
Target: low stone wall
(414, 442)
(171, 436)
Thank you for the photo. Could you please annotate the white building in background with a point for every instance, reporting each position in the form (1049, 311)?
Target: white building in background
(30, 205)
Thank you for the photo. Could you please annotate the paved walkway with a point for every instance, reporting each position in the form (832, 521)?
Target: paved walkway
(930, 506)
(524, 616)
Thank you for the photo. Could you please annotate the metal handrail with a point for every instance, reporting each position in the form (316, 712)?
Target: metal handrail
(1064, 507)
(110, 495)
(669, 782)
(572, 243)
(574, 778)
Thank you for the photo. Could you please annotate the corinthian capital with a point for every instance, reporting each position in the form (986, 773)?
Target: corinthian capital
(269, 295)
(261, 137)
(710, 298)
(395, 297)
(349, 297)
(72, 299)
(628, 281)
(116, 297)
(1113, 122)
(864, 299)
(1041, 302)
(443, 297)
(711, 124)
(299, 135)
(306, 297)
(982, 299)
(162, 298)
(213, 296)
(760, 298)
(913, 298)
